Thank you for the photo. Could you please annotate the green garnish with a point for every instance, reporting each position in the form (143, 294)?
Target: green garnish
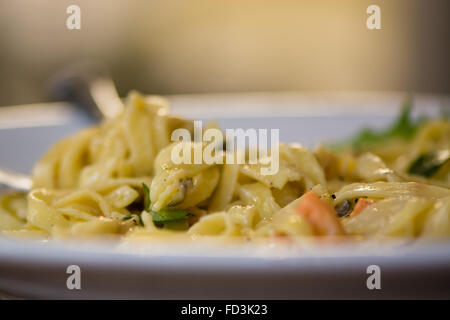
(428, 164)
(132, 216)
(404, 127)
(147, 201)
(163, 216)
(445, 112)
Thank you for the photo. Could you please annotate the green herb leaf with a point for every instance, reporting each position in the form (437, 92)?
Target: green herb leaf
(445, 112)
(428, 164)
(147, 201)
(165, 216)
(132, 216)
(403, 127)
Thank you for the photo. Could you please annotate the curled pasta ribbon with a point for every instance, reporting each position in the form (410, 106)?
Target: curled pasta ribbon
(92, 183)
(181, 185)
(371, 168)
(119, 148)
(216, 224)
(296, 164)
(261, 198)
(63, 213)
(12, 211)
(383, 190)
(226, 187)
(394, 217)
(61, 166)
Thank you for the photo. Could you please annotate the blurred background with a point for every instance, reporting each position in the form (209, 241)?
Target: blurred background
(198, 46)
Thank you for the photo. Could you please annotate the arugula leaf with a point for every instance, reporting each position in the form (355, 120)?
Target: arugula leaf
(131, 216)
(428, 164)
(445, 112)
(163, 216)
(403, 127)
(147, 201)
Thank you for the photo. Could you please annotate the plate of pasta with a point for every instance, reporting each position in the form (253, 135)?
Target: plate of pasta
(353, 186)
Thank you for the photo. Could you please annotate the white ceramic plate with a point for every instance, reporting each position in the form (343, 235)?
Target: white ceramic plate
(209, 270)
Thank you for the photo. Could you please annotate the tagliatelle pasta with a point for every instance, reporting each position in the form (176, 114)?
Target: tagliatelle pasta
(119, 178)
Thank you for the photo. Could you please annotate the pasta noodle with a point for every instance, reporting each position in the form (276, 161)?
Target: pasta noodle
(118, 178)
